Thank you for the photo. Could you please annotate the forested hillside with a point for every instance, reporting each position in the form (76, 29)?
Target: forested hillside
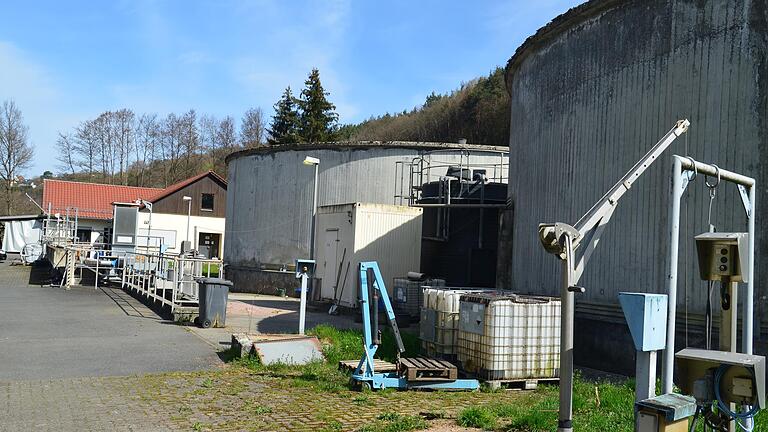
(477, 111)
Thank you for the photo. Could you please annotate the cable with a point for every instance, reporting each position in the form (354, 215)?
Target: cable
(695, 419)
(708, 316)
(722, 406)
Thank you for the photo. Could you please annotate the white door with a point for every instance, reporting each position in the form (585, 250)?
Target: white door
(330, 262)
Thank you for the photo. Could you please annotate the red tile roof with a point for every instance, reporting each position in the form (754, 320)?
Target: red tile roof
(92, 200)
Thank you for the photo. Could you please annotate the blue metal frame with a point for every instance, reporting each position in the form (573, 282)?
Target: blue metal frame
(390, 379)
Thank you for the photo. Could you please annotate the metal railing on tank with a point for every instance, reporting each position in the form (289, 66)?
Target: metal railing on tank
(473, 166)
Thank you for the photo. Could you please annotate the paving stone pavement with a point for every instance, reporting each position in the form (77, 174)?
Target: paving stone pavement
(218, 398)
(232, 399)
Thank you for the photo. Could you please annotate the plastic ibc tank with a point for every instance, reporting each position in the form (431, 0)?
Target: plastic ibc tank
(409, 297)
(509, 337)
(438, 329)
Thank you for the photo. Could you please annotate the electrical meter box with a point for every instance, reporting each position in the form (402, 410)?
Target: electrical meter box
(741, 377)
(723, 256)
(305, 266)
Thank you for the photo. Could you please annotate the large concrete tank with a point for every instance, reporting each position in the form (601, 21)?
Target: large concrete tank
(590, 93)
(269, 196)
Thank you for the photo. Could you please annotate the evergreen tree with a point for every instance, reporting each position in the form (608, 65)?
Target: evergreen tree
(318, 117)
(284, 128)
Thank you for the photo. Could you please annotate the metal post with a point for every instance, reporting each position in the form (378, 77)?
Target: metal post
(748, 323)
(303, 306)
(728, 329)
(565, 423)
(314, 218)
(674, 239)
(645, 375)
(189, 217)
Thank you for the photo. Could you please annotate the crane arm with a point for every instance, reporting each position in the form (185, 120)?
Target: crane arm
(589, 228)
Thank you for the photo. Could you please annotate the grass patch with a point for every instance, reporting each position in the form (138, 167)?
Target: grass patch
(596, 406)
(392, 422)
(478, 417)
(213, 268)
(324, 376)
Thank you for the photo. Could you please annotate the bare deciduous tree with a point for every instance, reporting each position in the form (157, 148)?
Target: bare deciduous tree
(67, 156)
(147, 138)
(123, 124)
(252, 128)
(15, 151)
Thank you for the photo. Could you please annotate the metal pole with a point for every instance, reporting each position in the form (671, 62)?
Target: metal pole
(303, 307)
(314, 217)
(674, 239)
(645, 375)
(189, 217)
(749, 310)
(565, 423)
(149, 228)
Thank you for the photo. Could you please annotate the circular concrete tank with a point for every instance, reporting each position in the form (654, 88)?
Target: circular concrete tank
(269, 197)
(590, 93)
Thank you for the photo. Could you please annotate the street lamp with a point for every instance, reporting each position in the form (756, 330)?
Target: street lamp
(188, 199)
(309, 160)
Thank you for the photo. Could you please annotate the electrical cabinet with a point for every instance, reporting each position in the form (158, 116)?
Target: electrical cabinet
(723, 256)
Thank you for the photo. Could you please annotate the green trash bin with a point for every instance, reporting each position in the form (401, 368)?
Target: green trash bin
(212, 297)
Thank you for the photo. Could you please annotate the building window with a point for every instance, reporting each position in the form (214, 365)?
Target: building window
(207, 202)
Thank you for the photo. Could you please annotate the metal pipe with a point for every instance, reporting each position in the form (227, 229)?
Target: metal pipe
(314, 217)
(462, 205)
(749, 307)
(710, 170)
(674, 239)
(565, 417)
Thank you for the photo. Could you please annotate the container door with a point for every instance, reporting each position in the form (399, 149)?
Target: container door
(330, 263)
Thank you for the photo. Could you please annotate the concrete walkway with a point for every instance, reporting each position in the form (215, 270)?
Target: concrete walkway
(52, 333)
(256, 313)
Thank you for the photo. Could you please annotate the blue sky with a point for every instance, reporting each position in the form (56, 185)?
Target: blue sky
(65, 62)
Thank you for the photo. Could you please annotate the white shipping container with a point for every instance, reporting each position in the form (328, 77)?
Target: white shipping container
(439, 323)
(509, 337)
(347, 234)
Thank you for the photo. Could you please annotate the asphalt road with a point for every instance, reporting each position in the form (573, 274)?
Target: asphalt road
(50, 333)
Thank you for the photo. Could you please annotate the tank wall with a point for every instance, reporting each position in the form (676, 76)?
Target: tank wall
(594, 98)
(269, 196)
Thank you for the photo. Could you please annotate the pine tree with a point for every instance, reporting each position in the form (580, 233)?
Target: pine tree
(318, 120)
(284, 128)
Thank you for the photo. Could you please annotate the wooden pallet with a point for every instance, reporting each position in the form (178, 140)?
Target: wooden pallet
(378, 366)
(427, 369)
(520, 384)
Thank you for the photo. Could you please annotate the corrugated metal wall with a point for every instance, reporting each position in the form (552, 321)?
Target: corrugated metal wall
(592, 93)
(269, 194)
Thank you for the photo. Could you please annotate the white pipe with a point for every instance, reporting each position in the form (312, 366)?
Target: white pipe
(749, 309)
(674, 239)
(565, 416)
(303, 305)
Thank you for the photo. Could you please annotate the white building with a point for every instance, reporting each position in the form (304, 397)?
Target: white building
(92, 204)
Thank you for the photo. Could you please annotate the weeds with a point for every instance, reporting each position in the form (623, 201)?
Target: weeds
(478, 417)
(324, 376)
(392, 422)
